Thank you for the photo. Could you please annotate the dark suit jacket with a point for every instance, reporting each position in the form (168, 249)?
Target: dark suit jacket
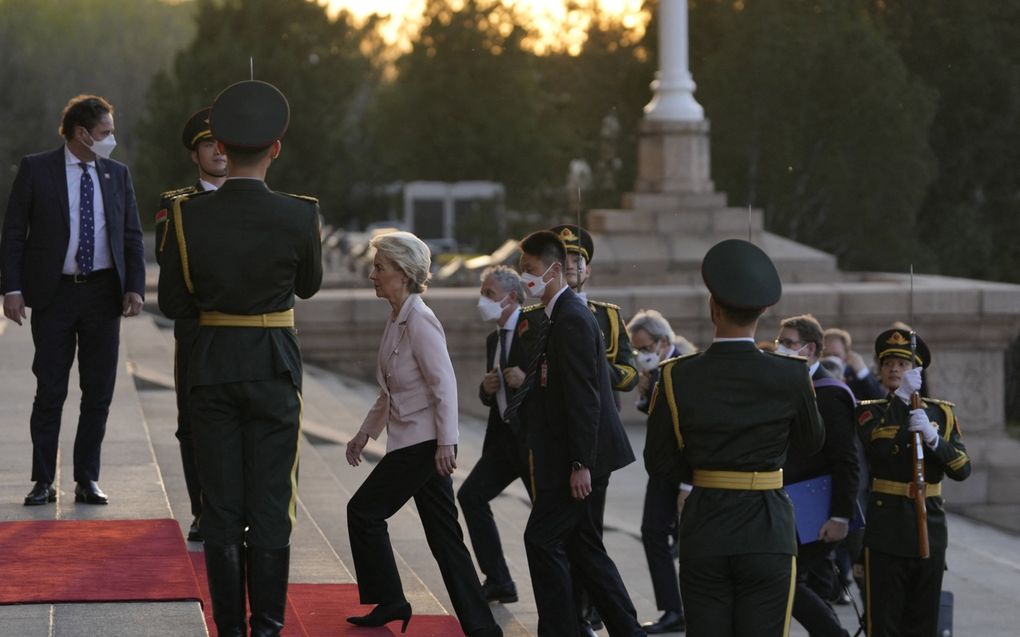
(37, 227)
(570, 414)
(838, 455)
(732, 407)
(497, 431)
(250, 250)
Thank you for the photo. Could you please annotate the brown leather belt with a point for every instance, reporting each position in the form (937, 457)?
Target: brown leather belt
(742, 480)
(905, 489)
(283, 318)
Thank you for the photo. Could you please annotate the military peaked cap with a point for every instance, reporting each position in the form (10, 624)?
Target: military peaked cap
(896, 343)
(196, 129)
(575, 239)
(741, 276)
(251, 114)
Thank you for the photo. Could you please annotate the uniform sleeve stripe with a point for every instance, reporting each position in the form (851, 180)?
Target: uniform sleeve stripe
(667, 378)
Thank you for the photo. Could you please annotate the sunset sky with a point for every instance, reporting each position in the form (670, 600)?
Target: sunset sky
(550, 16)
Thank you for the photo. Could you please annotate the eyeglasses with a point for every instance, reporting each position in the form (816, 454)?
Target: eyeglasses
(787, 342)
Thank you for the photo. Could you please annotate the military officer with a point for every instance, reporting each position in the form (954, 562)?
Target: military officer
(721, 420)
(212, 172)
(902, 590)
(234, 259)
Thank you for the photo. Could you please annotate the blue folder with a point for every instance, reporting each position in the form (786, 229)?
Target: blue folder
(811, 499)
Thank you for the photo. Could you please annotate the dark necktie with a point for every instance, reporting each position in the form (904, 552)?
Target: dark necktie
(85, 257)
(514, 402)
(502, 347)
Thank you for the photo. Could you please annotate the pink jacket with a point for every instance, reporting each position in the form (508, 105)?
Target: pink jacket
(418, 390)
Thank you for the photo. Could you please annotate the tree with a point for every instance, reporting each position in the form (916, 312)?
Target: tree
(816, 119)
(967, 51)
(52, 50)
(316, 62)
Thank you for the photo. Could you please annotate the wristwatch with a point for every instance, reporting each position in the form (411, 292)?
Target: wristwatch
(577, 466)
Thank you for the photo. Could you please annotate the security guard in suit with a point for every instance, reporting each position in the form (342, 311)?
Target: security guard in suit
(903, 590)
(212, 172)
(234, 259)
(721, 420)
(619, 353)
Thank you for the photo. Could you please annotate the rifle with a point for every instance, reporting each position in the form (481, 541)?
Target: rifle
(920, 507)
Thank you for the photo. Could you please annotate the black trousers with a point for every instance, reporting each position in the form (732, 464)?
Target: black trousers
(562, 533)
(182, 357)
(816, 583)
(746, 595)
(401, 475)
(246, 445)
(83, 317)
(495, 470)
(903, 593)
(658, 523)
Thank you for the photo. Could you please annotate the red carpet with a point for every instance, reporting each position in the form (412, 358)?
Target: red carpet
(64, 561)
(321, 610)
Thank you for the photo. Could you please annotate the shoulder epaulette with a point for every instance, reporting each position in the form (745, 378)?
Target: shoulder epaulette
(790, 357)
(314, 200)
(531, 308)
(177, 192)
(677, 359)
(939, 402)
(605, 305)
(876, 401)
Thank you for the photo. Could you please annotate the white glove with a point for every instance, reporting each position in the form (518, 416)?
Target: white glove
(911, 382)
(919, 422)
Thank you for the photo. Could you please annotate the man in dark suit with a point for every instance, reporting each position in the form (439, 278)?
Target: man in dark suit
(500, 463)
(721, 421)
(235, 258)
(574, 441)
(72, 251)
(212, 172)
(801, 336)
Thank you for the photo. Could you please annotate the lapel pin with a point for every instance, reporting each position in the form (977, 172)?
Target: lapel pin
(106, 175)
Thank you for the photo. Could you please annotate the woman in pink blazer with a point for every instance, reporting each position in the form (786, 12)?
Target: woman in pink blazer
(417, 406)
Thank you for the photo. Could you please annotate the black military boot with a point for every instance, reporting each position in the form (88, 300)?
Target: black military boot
(268, 570)
(225, 571)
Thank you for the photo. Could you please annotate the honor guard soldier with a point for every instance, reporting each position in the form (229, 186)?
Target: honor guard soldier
(903, 589)
(722, 420)
(234, 259)
(212, 172)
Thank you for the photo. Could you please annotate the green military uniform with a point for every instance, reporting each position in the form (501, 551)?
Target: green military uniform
(902, 590)
(195, 130)
(722, 420)
(235, 259)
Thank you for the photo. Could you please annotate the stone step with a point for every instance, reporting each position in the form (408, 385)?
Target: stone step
(130, 475)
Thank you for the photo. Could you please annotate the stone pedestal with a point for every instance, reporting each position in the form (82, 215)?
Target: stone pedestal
(674, 157)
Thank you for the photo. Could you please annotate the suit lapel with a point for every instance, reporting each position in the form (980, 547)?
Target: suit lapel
(106, 187)
(58, 172)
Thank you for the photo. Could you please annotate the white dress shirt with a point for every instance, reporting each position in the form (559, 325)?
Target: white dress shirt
(101, 259)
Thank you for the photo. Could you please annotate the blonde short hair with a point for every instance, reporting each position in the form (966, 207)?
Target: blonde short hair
(410, 254)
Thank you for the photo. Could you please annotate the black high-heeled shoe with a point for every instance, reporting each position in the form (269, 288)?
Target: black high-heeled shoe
(384, 614)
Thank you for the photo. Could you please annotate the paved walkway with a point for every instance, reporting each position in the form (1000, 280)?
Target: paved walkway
(142, 475)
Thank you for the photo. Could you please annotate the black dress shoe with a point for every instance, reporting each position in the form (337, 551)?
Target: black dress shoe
(194, 533)
(89, 493)
(505, 593)
(384, 614)
(672, 621)
(41, 493)
(587, 630)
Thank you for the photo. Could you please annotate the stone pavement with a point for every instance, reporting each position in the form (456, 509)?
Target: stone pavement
(142, 475)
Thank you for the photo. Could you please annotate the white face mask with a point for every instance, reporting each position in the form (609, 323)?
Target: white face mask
(490, 310)
(786, 351)
(535, 285)
(646, 361)
(104, 147)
